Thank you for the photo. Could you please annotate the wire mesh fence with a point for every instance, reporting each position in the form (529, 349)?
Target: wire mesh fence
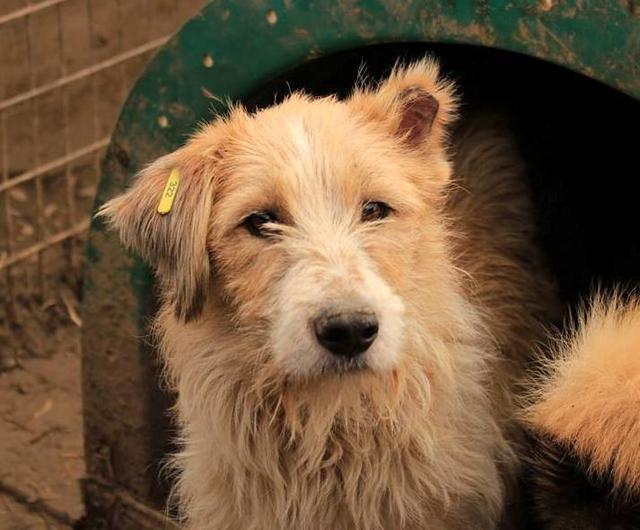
(65, 69)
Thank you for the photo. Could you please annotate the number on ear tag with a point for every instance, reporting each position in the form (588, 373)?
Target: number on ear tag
(169, 193)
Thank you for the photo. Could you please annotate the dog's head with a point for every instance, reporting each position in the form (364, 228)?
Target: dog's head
(310, 224)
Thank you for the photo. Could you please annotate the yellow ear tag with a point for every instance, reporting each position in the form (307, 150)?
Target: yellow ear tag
(169, 193)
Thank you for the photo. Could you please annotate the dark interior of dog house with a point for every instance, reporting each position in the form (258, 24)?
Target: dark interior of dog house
(578, 136)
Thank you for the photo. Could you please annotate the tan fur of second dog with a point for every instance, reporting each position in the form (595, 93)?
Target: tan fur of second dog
(590, 397)
(276, 432)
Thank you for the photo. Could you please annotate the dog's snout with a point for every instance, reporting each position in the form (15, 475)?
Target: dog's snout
(346, 334)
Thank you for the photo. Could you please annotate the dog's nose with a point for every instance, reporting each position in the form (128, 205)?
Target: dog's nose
(346, 334)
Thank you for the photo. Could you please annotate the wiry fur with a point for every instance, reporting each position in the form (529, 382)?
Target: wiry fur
(588, 407)
(273, 434)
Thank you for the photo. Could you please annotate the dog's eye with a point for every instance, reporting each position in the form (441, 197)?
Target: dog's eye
(375, 210)
(255, 223)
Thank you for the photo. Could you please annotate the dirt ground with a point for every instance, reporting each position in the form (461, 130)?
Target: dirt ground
(40, 420)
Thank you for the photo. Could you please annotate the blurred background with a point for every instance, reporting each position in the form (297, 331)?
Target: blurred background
(65, 68)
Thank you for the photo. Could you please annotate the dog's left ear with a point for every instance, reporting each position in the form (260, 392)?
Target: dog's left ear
(173, 242)
(415, 103)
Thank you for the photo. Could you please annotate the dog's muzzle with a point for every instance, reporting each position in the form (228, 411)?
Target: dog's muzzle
(346, 334)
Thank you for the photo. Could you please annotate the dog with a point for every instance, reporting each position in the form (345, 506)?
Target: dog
(348, 310)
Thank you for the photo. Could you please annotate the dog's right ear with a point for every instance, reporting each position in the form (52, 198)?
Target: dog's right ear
(174, 242)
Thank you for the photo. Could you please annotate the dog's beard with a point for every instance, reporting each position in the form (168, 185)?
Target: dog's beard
(344, 366)
(355, 397)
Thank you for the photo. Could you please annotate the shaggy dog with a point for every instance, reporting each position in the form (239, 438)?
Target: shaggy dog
(347, 311)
